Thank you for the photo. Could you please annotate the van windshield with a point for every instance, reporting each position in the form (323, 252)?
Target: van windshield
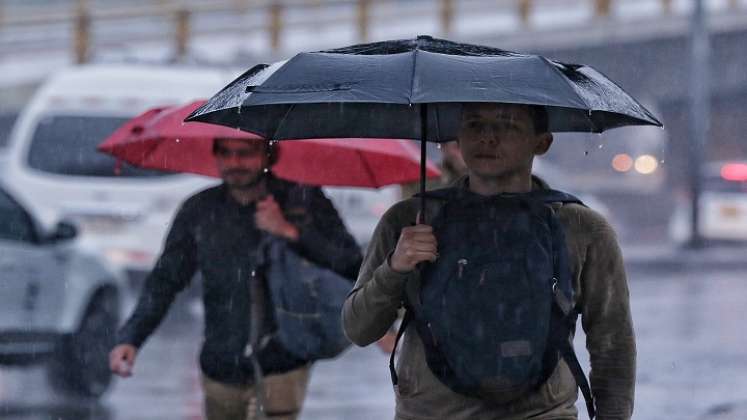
(66, 145)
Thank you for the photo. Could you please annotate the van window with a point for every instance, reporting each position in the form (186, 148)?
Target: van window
(66, 145)
(15, 223)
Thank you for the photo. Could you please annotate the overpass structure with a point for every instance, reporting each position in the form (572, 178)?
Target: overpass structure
(642, 44)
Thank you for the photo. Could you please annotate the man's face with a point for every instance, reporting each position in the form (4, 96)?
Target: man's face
(499, 140)
(240, 162)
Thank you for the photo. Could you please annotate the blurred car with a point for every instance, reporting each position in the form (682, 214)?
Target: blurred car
(3, 161)
(361, 208)
(723, 205)
(6, 123)
(59, 304)
(54, 165)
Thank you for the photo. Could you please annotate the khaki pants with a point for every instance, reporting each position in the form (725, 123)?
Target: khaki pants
(284, 395)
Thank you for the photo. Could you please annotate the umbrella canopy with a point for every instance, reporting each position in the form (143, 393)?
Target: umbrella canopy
(413, 89)
(369, 91)
(159, 139)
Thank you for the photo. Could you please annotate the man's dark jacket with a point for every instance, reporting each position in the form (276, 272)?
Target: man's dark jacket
(216, 235)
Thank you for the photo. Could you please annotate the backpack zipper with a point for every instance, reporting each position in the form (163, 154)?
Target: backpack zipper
(462, 263)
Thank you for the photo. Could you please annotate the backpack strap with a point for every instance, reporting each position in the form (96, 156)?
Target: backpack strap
(569, 355)
(443, 194)
(554, 196)
(256, 342)
(544, 195)
(560, 340)
(564, 309)
(392, 370)
(412, 304)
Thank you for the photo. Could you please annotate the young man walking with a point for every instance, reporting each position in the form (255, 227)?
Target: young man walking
(498, 143)
(217, 232)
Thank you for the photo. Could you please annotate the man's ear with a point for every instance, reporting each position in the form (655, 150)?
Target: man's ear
(544, 143)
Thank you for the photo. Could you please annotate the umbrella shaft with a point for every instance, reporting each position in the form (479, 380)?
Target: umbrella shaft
(423, 156)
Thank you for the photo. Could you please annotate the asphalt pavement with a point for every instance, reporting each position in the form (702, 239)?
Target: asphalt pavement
(691, 359)
(668, 257)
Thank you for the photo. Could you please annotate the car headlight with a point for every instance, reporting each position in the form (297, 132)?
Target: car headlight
(646, 164)
(129, 257)
(102, 222)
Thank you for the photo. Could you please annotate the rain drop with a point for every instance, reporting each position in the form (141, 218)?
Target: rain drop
(589, 144)
(238, 110)
(266, 170)
(439, 146)
(178, 140)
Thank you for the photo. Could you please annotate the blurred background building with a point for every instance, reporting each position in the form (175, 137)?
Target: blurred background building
(642, 44)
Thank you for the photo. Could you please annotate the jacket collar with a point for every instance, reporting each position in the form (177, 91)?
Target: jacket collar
(537, 183)
(273, 185)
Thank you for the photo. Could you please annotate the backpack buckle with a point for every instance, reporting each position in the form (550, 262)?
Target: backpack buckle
(462, 263)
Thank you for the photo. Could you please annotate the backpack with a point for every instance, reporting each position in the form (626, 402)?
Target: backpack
(495, 310)
(305, 302)
(306, 309)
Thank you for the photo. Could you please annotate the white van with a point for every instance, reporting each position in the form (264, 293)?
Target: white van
(123, 212)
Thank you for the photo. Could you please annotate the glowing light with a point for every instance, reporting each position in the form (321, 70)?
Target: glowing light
(622, 162)
(734, 172)
(646, 164)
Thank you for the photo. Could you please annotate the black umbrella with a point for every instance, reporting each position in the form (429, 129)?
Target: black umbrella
(413, 89)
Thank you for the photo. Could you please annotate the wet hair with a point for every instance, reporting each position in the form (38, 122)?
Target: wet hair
(273, 152)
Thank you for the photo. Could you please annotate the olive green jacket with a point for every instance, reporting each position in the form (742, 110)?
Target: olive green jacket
(601, 296)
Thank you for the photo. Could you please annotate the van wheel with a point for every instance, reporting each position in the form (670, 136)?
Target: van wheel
(80, 365)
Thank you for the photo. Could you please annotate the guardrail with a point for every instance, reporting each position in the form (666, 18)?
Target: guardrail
(274, 18)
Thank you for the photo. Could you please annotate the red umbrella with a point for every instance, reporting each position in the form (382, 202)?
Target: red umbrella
(159, 139)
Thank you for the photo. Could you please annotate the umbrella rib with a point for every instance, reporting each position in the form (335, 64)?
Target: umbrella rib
(277, 128)
(412, 74)
(593, 125)
(565, 80)
(367, 167)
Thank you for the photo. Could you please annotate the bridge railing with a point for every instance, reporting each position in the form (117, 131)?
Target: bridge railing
(177, 19)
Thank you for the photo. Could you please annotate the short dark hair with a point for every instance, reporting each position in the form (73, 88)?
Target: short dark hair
(538, 114)
(540, 118)
(273, 152)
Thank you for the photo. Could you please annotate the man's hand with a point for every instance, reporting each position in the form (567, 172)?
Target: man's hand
(386, 343)
(269, 217)
(415, 245)
(122, 360)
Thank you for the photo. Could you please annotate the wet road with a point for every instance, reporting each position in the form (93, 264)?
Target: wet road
(692, 364)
